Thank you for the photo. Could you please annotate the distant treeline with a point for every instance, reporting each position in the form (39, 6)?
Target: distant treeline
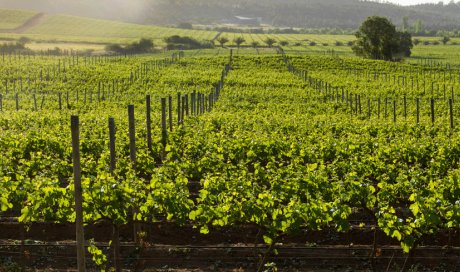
(147, 46)
(426, 19)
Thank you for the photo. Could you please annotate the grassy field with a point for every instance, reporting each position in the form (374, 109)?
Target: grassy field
(65, 46)
(11, 19)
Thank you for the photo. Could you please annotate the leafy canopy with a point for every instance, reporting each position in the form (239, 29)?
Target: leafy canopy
(377, 38)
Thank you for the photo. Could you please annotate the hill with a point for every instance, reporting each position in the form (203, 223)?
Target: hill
(74, 29)
(293, 13)
(11, 19)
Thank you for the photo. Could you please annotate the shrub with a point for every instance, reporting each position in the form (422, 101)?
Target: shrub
(183, 43)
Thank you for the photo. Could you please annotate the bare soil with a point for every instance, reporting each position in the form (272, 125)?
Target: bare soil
(168, 247)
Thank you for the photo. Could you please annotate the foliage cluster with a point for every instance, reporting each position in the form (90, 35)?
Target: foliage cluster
(377, 38)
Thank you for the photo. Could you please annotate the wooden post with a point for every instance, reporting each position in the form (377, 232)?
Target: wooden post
(17, 101)
(113, 162)
(351, 103)
(80, 236)
(164, 131)
(113, 158)
(43, 102)
(186, 105)
(386, 107)
(203, 103)
(359, 104)
(60, 101)
(1, 102)
(394, 111)
(170, 115)
(132, 136)
(417, 110)
(179, 113)
(369, 108)
(149, 123)
(193, 104)
(405, 107)
(451, 114)
(378, 108)
(99, 92)
(432, 110)
(198, 104)
(35, 102)
(182, 117)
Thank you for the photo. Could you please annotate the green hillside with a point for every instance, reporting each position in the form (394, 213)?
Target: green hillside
(64, 28)
(107, 31)
(11, 19)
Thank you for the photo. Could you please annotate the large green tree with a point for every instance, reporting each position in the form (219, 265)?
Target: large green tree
(377, 38)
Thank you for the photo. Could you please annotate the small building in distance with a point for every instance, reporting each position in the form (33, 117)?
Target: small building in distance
(245, 21)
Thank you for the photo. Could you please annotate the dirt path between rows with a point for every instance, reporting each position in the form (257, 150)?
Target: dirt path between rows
(34, 21)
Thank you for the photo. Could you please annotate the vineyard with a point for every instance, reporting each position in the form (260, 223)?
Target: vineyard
(298, 152)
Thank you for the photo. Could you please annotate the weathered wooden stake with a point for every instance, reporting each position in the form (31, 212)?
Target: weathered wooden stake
(417, 110)
(170, 113)
(80, 236)
(394, 111)
(35, 102)
(179, 112)
(369, 108)
(405, 107)
(149, 123)
(112, 131)
(132, 136)
(164, 130)
(451, 113)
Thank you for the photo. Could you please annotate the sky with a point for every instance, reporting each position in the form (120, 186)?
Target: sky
(414, 2)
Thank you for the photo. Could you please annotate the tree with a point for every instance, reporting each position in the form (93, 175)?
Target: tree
(284, 43)
(270, 42)
(405, 43)
(445, 40)
(238, 41)
(142, 46)
(254, 44)
(24, 40)
(145, 45)
(377, 38)
(184, 43)
(222, 40)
